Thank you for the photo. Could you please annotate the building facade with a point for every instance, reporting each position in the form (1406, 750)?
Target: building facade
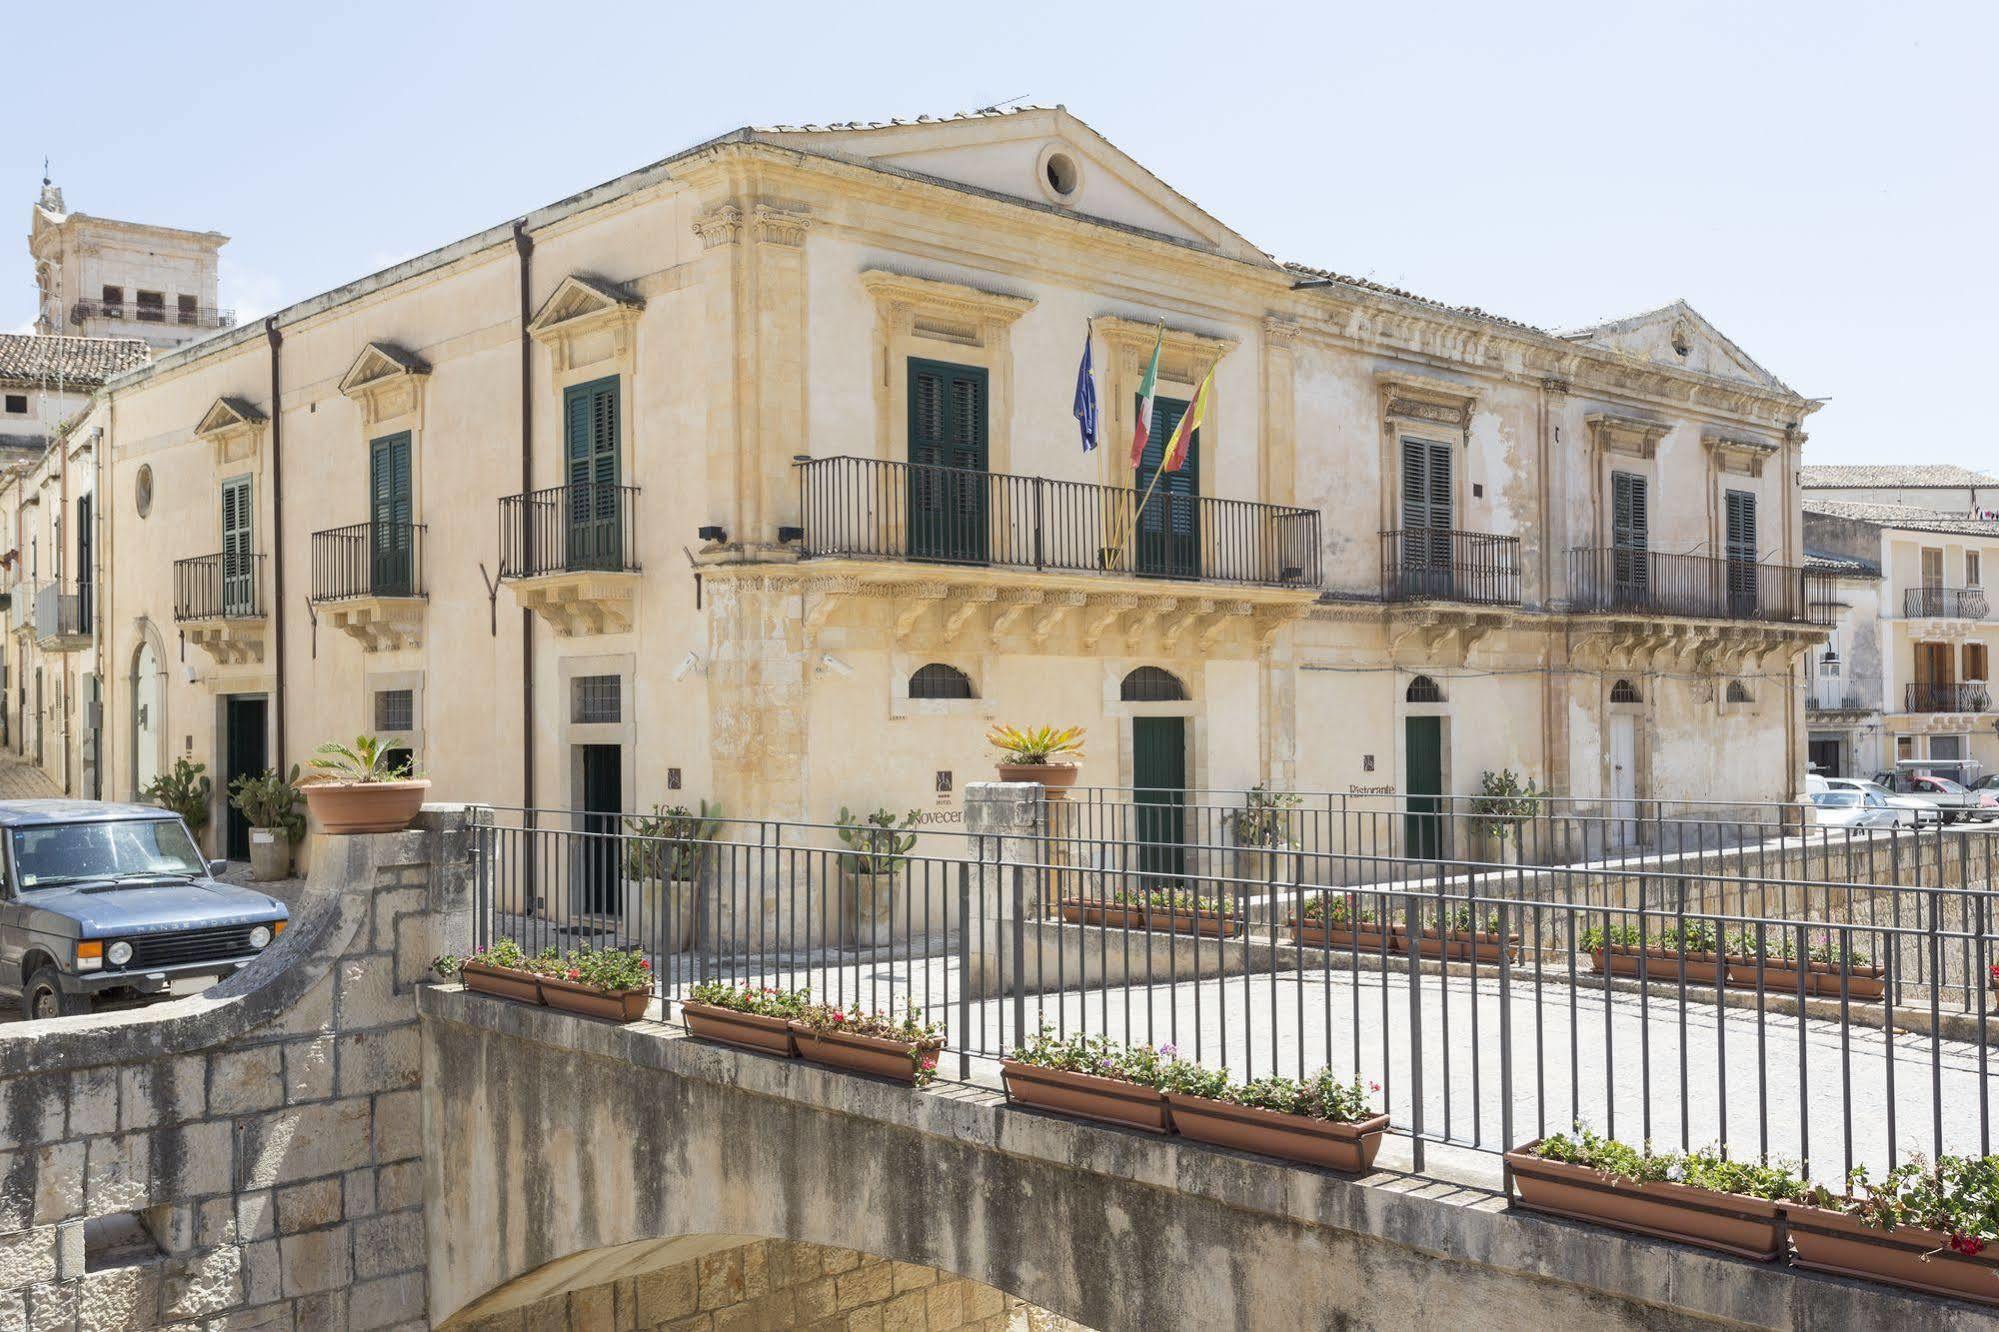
(1845, 683)
(1957, 492)
(754, 476)
(98, 277)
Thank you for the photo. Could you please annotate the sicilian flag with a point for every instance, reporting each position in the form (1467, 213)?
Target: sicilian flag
(1183, 438)
(1142, 431)
(1086, 396)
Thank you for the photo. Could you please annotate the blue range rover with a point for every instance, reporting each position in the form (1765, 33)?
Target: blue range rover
(103, 900)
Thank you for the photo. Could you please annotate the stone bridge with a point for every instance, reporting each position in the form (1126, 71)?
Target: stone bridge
(327, 1141)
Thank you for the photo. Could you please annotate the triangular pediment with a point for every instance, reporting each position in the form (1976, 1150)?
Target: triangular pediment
(379, 361)
(227, 414)
(580, 296)
(1678, 335)
(1042, 155)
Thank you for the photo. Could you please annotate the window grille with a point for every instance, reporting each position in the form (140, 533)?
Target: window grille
(596, 699)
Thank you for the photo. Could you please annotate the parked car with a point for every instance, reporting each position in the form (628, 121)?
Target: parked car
(1854, 809)
(1953, 799)
(102, 900)
(1910, 811)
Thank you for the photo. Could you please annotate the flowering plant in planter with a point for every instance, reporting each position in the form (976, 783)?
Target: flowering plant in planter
(599, 982)
(754, 1017)
(502, 969)
(1705, 1168)
(1338, 910)
(611, 969)
(764, 1001)
(1097, 1056)
(1324, 1120)
(1927, 1226)
(1175, 900)
(902, 1047)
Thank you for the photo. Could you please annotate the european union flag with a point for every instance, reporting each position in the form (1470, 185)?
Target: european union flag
(1086, 396)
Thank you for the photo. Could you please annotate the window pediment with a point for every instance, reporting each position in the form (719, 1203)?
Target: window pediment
(1634, 436)
(585, 320)
(1426, 399)
(1184, 357)
(386, 380)
(233, 426)
(1734, 453)
(948, 311)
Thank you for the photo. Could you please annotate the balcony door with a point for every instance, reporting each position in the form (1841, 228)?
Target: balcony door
(239, 580)
(593, 527)
(1741, 544)
(390, 512)
(947, 457)
(1169, 528)
(1936, 677)
(1630, 539)
(1428, 516)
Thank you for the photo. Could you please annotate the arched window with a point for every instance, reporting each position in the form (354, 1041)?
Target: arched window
(1738, 692)
(940, 681)
(1423, 689)
(1625, 692)
(1149, 684)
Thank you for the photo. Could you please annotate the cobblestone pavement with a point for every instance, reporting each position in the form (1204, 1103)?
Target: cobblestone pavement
(22, 780)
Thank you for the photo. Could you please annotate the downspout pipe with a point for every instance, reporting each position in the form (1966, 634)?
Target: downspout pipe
(524, 251)
(277, 604)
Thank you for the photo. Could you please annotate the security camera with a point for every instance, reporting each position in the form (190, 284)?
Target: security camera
(690, 662)
(829, 662)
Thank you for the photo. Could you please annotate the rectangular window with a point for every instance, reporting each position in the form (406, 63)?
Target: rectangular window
(17, 404)
(1932, 566)
(239, 585)
(395, 710)
(1974, 662)
(152, 307)
(595, 700)
(189, 311)
(948, 444)
(113, 299)
(1973, 570)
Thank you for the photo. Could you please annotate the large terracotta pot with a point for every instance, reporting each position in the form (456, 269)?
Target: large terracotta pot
(748, 1031)
(1906, 1256)
(1113, 916)
(616, 1005)
(503, 982)
(342, 808)
(1320, 1142)
(1367, 939)
(1745, 1227)
(1106, 1100)
(1660, 964)
(874, 1055)
(1054, 778)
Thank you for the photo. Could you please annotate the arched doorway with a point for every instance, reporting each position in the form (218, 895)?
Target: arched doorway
(148, 720)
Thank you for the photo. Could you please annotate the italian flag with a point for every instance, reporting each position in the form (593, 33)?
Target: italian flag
(1183, 438)
(1142, 432)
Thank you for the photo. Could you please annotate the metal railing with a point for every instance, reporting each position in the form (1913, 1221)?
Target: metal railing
(1444, 564)
(1955, 603)
(576, 528)
(197, 316)
(368, 560)
(1618, 579)
(226, 586)
(868, 508)
(1959, 696)
(1838, 1023)
(61, 613)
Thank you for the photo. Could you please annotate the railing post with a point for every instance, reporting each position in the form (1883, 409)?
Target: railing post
(1038, 483)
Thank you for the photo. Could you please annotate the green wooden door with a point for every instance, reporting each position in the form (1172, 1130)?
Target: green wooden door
(947, 455)
(239, 575)
(390, 537)
(1159, 774)
(1741, 539)
(1423, 762)
(1169, 528)
(593, 519)
(1630, 538)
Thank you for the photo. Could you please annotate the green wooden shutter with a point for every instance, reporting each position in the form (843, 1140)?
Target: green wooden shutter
(1741, 541)
(1427, 516)
(1169, 531)
(238, 575)
(948, 440)
(594, 516)
(1630, 536)
(389, 516)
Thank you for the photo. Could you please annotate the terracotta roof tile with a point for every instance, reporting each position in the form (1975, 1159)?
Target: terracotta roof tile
(38, 359)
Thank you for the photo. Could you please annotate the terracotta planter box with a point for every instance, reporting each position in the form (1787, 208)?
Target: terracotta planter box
(343, 808)
(748, 1031)
(1917, 1259)
(616, 1005)
(1086, 1096)
(873, 1055)
(1145, 918)
(1745, 1227)
(502, 982)
(1319, 1142)
(1368, 938)
(1464, 946)
(1055, 779)
(1821, 979)
(1660, 964)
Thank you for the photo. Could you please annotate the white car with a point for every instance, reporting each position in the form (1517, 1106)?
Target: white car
(1856, 809)
(1910, 811)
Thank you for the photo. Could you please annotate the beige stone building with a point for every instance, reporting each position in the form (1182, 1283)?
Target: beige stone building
(753, 475)
(98, 277)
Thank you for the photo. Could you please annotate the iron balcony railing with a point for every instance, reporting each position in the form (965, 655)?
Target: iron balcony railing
(1620, 579)
(585, 527)
(869, 508)
(193, 316)
(1956, 603)
(219, 587)
(1956, 696)
(368, 560)
(1444, 564)
(62, 612)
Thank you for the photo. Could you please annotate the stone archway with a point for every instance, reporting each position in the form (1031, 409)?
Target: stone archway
(147, 704)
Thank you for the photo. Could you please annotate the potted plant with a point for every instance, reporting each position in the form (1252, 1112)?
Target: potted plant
(1696, 1198)
(1089, 1077)
(900, 1048)
(1927, 1227)
(363, 788)
(270, 802)
(751, 1017)
(1331, 920)
(1459, 936)
(1040, 754)
(1321, 1121)
(184, 789)
(1262, 826)
(1677, 951)
(1153, 909)
(872, 873)
(601, 983)
(663, 859)
(503, 970)
(1503, 805)
(1773, 960)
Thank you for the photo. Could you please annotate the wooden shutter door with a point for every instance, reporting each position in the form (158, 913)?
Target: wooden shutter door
(1630, 538)
(389, 515)
(947, 456)
(1741, 540)
(84, 571)
(1427, 518)
(590, 426)
(238, 577)
(1169, 531)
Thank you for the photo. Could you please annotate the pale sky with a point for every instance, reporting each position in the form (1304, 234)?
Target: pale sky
(1817, 179)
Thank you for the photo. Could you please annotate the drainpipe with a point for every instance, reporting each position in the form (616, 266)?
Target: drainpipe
(100, 588)
(277, 603)
(524, 249)
(65, 536)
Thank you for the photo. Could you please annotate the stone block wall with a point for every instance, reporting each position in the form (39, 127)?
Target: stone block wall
(251, 1156)
(777, 1285)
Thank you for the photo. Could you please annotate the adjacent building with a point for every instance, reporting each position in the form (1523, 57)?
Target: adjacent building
(1845, 684)
(98, 277)
(753, 475)
(1957, 492)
